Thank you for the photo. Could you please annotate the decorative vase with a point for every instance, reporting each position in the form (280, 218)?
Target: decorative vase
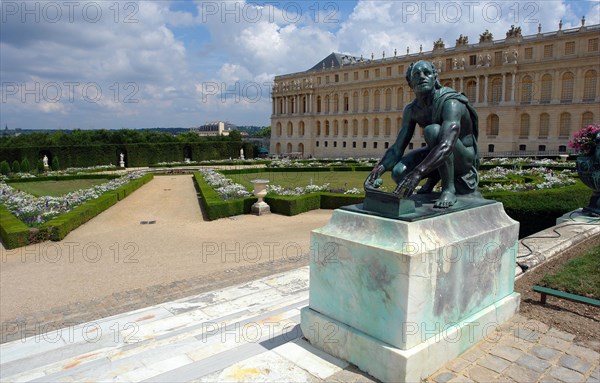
(260, 191)
(588, 168)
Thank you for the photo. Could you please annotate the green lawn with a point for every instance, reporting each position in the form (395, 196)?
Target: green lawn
(578, 276)
(336, 180)
(56, 188)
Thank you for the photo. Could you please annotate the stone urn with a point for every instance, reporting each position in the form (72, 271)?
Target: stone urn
(588, 168)
(260, 191)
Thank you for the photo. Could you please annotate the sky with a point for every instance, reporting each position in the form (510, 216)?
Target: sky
(109, 64)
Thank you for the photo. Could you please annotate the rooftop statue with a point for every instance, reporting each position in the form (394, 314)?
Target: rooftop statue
(451, 129)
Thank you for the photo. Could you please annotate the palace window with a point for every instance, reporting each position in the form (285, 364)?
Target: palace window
(593, 45)
(528, 53)
(544, 125)
(524, 128)
(564, 129)
(587, 118)
(493, 123)
(548, 51)
(570, 47)
(566, 94)
(546, 95)
(589, 85)
(526, 90)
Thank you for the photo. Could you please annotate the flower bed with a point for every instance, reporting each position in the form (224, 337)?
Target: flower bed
(53, 218)
(543, 178)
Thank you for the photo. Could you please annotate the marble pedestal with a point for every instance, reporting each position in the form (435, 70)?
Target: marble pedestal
(399, 298)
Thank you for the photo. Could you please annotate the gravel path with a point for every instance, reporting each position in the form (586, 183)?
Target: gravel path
(151, 247)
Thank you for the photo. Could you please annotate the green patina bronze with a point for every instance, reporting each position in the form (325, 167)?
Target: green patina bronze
(451, 130)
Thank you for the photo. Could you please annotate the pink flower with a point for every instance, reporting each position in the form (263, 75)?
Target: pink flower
(586, 139)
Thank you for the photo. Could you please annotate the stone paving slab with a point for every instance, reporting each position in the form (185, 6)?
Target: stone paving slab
(187, 340)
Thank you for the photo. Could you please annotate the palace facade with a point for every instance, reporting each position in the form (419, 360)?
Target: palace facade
(531, 94)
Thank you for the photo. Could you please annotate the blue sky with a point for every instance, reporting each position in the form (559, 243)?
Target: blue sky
(141, 64)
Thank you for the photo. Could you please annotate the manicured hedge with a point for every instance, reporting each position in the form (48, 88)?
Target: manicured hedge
(214, 207)
(63, 178)
(139, 154)
(13, 231)
(537, 210)
(16, 234)
(293, 205)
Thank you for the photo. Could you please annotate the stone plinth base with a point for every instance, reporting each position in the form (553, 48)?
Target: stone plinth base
(260, 208)
(577, 216)
(390, 364)
(394, 287)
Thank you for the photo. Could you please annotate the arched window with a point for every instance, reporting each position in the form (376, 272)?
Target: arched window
(524, 128)
(377, 99)
(301, 148)
(326, 127)
(493, 123)
(327, 104)
(346, 103)
(355, 102)
(387, 128)
(303, 110)
(564, 127)
(400, 101)
(546, 95)
(544, 125)
(278, 148)
(301, 128)
(376, 127)
(345, 128)
(290, 129)
(319, 104)
(526, 90)
(471, 91)
(388, 99)
(336, 103)
(318, 128)
(398, 125)
(496, 91)
(289, 147)
(566, 93)
(278, 129)
(336, 128)
(587, 119)
(365, 126)
(589, 85)
(355, 127)
(366, 101)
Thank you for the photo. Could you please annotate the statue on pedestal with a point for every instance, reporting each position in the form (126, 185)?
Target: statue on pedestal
(450, 127)
(45, 161)
(122, 160)
(241, 153)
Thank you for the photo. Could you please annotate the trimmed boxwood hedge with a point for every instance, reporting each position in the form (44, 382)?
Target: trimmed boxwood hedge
(214, 207)
(537, 210)
(16, 234)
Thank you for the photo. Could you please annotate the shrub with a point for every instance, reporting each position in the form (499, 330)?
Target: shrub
(16, 167)
(293, 205)
(40, 166)
(4, 168)
(55, 164)
(25, 165)
(14, 233)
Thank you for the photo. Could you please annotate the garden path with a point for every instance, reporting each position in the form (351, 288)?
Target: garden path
(116, 263)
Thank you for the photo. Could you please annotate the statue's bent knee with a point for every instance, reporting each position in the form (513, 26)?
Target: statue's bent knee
(432, 132)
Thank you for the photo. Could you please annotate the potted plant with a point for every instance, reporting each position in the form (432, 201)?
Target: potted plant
(587, 142)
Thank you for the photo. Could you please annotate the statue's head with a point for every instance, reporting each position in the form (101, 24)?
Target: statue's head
(422, 76)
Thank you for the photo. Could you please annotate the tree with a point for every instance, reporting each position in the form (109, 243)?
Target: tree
(55, 164)
(4, 168)
(264, 132)
(235, 135)
(25, 165)
(40, 166)
(16, 167)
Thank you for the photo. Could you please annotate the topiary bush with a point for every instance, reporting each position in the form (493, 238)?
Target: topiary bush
(25, 167)
(4, 168)
(16, 167)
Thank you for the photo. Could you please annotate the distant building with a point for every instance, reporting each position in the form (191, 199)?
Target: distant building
(531, 93)
(218, 128)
